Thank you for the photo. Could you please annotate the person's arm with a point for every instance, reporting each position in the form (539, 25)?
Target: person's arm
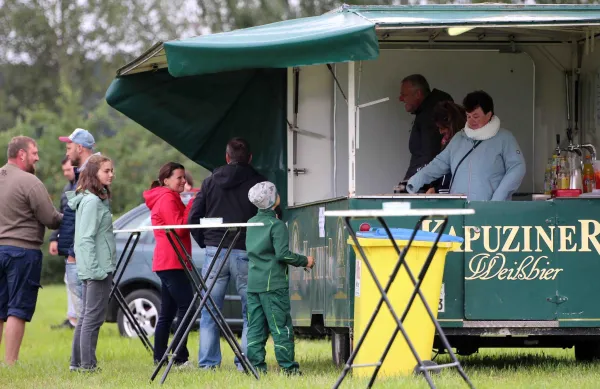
(436, 169)
(88, 223)
(281, 239)
(198, 211)
(169, 212)
(514, 165)
(42, 207)
(54, 236)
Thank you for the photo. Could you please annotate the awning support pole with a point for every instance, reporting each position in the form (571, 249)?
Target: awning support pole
(351, 131)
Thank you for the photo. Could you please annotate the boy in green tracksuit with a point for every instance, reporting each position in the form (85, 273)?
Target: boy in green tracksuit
(268, 297)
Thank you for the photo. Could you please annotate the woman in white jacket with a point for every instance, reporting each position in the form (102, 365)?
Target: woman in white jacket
(484, 159)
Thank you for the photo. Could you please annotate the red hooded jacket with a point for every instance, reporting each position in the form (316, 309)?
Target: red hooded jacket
(167, 209)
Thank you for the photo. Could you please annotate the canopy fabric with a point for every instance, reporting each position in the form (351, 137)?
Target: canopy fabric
(235, 83)
(199, 115)
(329, 38)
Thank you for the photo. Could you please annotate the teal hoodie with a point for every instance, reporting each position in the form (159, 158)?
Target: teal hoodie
(95, 247)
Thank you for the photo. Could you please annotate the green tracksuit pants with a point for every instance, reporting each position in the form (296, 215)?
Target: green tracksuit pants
(269, 312)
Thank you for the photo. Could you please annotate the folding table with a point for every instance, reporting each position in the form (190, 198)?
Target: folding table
(141, 333)
(379, 215)
(201, 289)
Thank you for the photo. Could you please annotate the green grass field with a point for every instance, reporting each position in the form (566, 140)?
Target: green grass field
(44, 362)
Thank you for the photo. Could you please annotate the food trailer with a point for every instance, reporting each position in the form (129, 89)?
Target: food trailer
(317, 98)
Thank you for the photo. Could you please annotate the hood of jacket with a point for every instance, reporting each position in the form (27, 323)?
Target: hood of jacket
(233, 175)
(432, 99)
(74, 198)
(152, 196)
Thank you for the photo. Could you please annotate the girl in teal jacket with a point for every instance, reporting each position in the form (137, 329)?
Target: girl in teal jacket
(95, 251)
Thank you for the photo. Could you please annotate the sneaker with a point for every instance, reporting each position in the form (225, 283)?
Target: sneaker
(89, 370)
(182, 366)
(73, 368)
(64, 324)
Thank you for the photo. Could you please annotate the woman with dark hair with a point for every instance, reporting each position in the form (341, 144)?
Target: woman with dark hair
(95, 250)
(485, 160)
(449, 118)
(167, 208)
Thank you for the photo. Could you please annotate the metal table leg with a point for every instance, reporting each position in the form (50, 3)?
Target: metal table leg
(199, 284)
(421, 367)
(124, 259)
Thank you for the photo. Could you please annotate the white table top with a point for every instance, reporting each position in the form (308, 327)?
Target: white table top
(189, 227)
(399, 212)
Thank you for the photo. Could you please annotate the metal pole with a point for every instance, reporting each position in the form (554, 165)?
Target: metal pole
(351, 130)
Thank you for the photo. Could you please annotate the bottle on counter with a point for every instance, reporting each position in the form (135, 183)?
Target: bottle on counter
(555, 171)
(547, 177)
(589, 178)
(563, 174)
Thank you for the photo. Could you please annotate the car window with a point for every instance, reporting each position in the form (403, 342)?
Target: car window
(140, 219)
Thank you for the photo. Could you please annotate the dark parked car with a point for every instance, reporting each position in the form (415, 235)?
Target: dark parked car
(141, 286)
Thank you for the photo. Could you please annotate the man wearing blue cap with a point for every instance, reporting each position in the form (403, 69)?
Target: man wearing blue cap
(80, 146)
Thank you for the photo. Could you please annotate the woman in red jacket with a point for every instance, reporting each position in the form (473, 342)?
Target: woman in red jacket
(166, 208)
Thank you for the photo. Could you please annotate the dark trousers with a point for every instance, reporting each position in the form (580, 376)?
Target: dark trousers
(176, 297)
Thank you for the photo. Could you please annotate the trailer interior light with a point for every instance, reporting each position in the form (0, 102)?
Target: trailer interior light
(455, 31)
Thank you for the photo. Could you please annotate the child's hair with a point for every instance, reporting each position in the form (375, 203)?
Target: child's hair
(88, 178)
(450, 116)
(165, 172)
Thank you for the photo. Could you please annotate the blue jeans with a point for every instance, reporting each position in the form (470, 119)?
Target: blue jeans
(209, 354)
(75, 286)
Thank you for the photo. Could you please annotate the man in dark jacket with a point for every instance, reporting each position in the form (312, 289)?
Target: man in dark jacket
(225, 195)
(79, 148)
(60, 244)
(425, 140)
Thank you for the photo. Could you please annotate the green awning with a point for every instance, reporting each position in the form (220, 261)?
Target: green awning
(329, 38)
(199, 115)
(196, 93)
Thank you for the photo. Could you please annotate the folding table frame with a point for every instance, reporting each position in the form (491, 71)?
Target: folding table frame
(379, 215)
(115, 291)
(201, 290)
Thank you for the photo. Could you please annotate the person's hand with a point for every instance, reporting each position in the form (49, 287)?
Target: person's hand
(53, 249)
(311, 262)
(70, 259)
(430, 191)
(401, 187)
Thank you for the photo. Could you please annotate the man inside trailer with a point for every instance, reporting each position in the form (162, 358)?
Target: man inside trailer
(425, 138)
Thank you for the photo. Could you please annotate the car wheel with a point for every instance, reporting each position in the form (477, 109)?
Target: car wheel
(144, 305)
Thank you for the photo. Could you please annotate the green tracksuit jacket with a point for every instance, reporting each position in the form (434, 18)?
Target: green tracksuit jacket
(269, 253)
(268, 299)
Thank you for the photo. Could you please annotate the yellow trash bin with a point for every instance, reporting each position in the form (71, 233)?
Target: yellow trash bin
(419, 327)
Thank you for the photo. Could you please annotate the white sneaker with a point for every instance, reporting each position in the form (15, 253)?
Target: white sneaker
(182, 366)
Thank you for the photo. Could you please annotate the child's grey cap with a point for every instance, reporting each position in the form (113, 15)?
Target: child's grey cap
(263, 195)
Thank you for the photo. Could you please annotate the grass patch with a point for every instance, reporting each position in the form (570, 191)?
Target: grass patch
(44, 363)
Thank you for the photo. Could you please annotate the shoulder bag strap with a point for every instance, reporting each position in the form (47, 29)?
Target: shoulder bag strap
(461, 161)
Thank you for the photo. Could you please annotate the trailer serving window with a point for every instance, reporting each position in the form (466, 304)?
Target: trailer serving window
(353, 131)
